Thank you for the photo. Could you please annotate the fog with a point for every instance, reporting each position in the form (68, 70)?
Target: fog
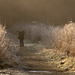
(55, 12)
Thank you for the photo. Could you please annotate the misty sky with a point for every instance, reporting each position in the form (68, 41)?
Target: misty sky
(46, 11)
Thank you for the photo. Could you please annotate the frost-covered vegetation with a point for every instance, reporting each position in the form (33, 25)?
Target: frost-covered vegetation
(56, 37)
(65, 40)
(7, 47)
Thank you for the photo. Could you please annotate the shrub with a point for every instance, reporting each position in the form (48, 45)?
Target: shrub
(7, 48)
(65, 40)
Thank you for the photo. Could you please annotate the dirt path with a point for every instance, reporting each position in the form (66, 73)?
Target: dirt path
(33, 62)
(36, 62)
(32, 59)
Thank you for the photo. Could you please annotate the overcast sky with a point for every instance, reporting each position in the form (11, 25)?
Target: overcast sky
(47, 11)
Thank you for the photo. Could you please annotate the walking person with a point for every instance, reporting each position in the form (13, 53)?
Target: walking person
(21, 37)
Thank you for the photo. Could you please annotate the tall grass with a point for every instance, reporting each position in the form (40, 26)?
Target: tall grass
(7, 48)
(58, 37)
(65, 40)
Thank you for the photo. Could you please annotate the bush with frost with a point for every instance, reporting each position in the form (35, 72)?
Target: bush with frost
(7, 47)
(65, 40)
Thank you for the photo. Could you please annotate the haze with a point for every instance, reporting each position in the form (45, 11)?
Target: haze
(47, 11)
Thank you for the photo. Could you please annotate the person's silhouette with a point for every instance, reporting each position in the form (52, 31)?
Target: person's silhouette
(21, 37)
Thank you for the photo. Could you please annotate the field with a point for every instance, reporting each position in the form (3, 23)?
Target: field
(47, 50)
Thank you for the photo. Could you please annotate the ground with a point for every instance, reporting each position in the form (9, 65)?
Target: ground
(37, 60)
(36, 57)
